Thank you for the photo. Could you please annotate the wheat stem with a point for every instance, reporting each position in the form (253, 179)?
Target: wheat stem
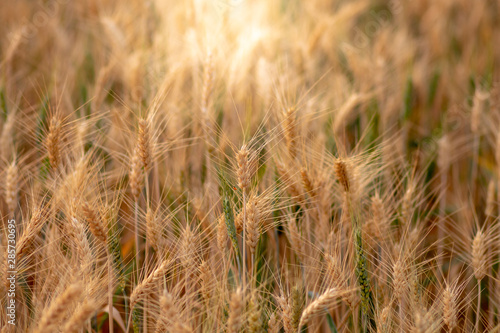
(110, 290)
(442, 212)
(244, 241)
(478, 311)
(136, 235)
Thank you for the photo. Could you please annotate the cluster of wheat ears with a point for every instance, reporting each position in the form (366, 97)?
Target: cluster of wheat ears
(250, 166)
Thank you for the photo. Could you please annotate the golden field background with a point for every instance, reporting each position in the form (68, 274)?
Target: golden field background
(250, 166)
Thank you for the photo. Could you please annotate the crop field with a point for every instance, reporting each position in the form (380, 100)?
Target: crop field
(249, 166)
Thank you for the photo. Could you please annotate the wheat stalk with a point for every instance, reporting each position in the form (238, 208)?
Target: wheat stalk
(11, 187)
(208, 81)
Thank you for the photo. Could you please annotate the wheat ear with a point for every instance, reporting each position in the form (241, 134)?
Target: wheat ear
(236, 308)
(364, 281)
(297, 301)
(144, 286)
(253, 228)
(99, 230)
(169, 317)
(307, 183)
(480, 268)
(449, 299)
(95, 223)
(144, 143)
(53, 143)
(78, 319)
(322, 303)
(58, 308)
(154, 277)
(153, 232)
(399, 285)
(254, 321)
(221, 234)
(29, 233)
(286, 314)
(273, 325)
(290, 131)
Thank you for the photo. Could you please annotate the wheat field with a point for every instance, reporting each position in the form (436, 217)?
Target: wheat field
(249, 166)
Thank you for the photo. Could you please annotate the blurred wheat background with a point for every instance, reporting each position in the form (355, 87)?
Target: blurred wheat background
(251, 166)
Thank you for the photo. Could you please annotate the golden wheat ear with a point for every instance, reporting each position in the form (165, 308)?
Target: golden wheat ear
(253, 224)
(286, 313)
(236, 310)
(31, 231)
(320, 305)
(59, 307)
(479, 255)
(95, 222)
(243, 168)
(144, 143)
(52, 141)
(290, 131)
(169, 317)
(343, 175)
(273, 325)
(143, 287)
(77, 321)
(450, 307)
(135, 175)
